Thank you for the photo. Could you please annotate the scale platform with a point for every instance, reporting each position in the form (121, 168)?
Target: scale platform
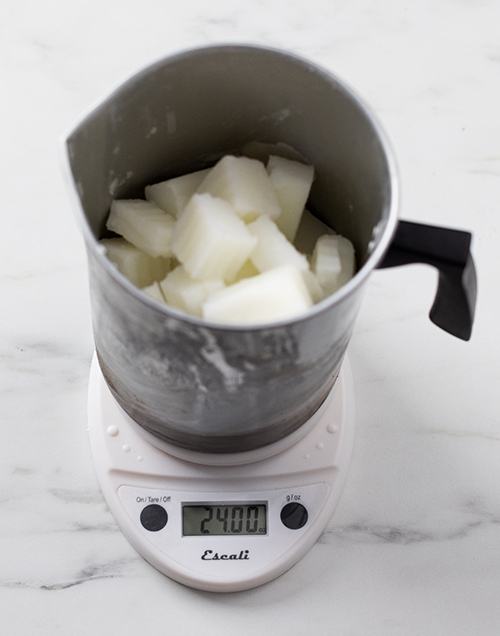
(222, 522)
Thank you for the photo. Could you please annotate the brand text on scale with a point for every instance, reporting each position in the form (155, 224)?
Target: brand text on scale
(210, 555)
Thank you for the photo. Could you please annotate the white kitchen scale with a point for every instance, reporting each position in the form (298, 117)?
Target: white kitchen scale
(222, 522)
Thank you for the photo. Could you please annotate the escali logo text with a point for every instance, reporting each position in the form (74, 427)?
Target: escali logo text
(210, 555)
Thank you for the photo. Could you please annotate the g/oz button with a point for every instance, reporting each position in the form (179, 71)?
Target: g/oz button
(294, 516)
(154, 517)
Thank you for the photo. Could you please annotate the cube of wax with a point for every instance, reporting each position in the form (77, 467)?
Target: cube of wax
(172, 195)
(134, 264)
(182, 291)
(277, 294)
(273, 248)
(333, 261)
(210, 240)
(143, 224)
(243, 183)
(292, 182)
(309, 230)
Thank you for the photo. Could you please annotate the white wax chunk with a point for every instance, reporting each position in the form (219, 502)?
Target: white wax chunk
(133, 263)
(243, 183)
(333, 261)
(172, 195)
(186, 293)
(143, 224)
(277, 294)
(292, 183)
(273, 249)
(210, 240)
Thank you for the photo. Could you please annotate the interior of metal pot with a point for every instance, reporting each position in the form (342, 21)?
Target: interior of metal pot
(184, 112)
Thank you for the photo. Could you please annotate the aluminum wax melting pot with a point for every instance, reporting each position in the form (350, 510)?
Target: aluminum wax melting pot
(224, 389)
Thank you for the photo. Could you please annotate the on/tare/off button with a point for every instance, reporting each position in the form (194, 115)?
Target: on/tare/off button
(154, 517)
(294, 516)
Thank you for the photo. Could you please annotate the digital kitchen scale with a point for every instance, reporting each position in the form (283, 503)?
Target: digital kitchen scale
(222, 522)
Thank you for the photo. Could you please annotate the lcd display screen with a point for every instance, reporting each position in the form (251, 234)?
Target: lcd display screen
(216, 519)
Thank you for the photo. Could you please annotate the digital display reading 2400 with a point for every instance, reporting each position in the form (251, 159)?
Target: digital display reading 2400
(224, 519)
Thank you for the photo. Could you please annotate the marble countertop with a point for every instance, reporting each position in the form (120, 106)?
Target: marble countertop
(413, 547)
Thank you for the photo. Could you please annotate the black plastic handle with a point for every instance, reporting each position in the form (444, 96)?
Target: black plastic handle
(449, 251)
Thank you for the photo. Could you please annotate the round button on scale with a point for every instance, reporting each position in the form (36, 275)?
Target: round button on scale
(294, 516)
(154, 517)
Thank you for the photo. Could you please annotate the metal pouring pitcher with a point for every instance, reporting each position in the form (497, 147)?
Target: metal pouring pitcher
(218, 388)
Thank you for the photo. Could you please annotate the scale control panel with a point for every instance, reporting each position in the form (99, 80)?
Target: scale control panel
(223, 535)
